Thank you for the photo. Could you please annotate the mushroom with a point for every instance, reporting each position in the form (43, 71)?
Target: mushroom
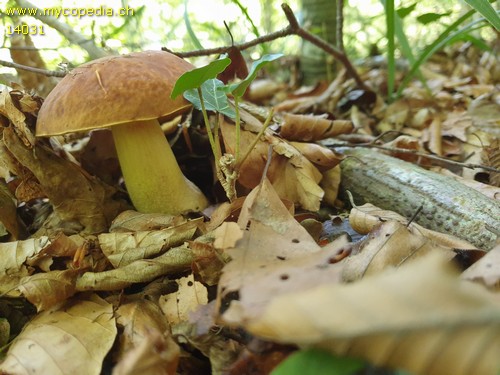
(129, 94)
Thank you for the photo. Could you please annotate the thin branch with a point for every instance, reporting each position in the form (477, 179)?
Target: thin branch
(243, 46)
(292, 29)
(48, 73)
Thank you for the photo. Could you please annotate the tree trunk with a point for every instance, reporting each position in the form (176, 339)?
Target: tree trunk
(320, 18)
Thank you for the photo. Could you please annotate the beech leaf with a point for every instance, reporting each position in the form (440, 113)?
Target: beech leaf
(420, 317)
(67, 340)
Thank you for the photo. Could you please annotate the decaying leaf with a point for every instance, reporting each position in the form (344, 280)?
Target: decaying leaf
(177, 259)
(330, 184)
(9, 223)
(323, 158)
(45, 290)
(18, 119)
(67, 340)
(133, 221)
(188, 297)
(14, 258)
(390, 244)
(122, 248)
(420, 317)
(76, 196)
(486, 270)
(208, 262)
(306, 128)
(145, 345)
(154, 355)
(293, 176)
(275, 256)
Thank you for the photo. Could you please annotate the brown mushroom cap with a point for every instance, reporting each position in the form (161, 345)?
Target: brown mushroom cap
(114, 90)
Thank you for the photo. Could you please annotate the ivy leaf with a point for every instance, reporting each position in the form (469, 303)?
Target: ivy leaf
(239, 88)
(196, 77)
(213, 97)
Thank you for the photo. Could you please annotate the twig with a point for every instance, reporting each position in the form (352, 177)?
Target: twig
(427, 156)
(292, 29)
(49, 73)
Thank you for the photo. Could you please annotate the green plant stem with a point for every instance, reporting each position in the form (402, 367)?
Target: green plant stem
(239, 163)
(215, 148)
(439, 43)
(238, 128)
(391, 60)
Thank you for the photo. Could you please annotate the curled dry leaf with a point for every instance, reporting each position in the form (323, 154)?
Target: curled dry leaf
(390, 244)
(122, 249)
(177, 259)
(133, 221)
(306, 128)
(323, 158)
(330, 183)
(420, 317)
(18, 118)
(275, 256)
(189, 296)
(67, 340)
(292, 175)
(75, 195)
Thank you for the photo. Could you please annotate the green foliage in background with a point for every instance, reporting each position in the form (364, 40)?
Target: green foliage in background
(452, 33)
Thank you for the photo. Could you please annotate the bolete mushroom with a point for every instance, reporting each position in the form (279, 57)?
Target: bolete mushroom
(129, 94)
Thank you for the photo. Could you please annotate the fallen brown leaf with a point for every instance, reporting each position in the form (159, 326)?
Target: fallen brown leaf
(67, 340)
(275, 256)
(420, 317)
(293, 176)
(45, 290)
(306, 128)
(486, 270)
(124, 248)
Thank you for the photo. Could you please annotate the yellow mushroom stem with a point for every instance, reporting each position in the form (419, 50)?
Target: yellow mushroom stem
(152, 176)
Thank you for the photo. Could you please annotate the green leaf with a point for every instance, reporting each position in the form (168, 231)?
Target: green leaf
(317, 362)
(390, 19)
(214, 98)
(404, 11)
(487, 11)
(195, 78)
(427, 18)
(435, 46)
(239, 88)
(395, 28)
